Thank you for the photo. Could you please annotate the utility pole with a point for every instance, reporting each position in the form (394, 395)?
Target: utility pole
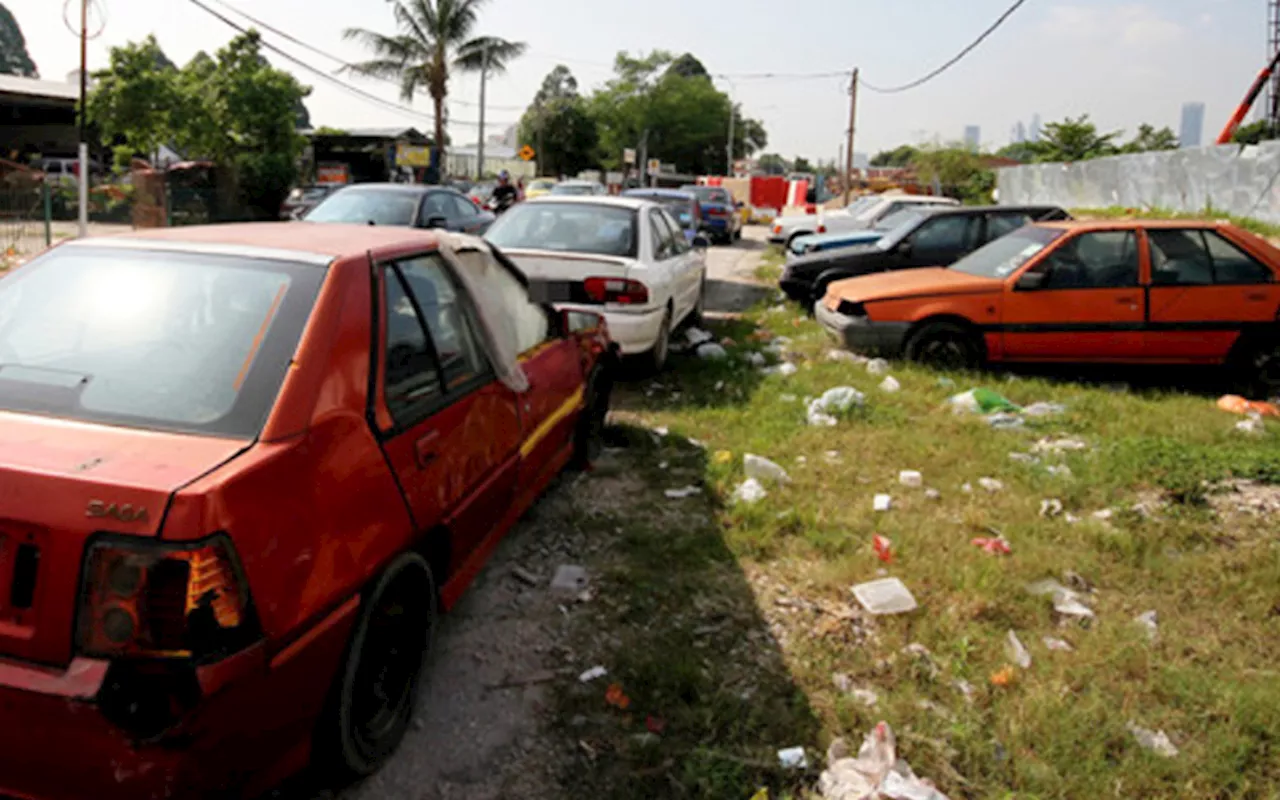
(484, 70)
(84, 115)
(848, 147)
(642, 168)
(728, 170)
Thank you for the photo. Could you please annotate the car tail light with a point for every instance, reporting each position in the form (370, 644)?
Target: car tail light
(617, 290)
(777, 229)
(822, 229)
(141, 598)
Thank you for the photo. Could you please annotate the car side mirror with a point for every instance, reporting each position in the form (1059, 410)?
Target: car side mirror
(437, 222)
(701, 242)
(577, 321)
(1030, 281)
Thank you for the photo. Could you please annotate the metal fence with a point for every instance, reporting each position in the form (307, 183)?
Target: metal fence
(25, 213)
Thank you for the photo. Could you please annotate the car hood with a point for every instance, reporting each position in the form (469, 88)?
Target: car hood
(857, 256)
(908, 283)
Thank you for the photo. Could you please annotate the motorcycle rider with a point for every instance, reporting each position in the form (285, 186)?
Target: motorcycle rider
(504, 194)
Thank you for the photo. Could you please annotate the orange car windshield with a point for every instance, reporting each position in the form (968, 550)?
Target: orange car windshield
(1004, 256)
(151, 339)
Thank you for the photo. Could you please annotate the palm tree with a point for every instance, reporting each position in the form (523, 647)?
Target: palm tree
(434, 38)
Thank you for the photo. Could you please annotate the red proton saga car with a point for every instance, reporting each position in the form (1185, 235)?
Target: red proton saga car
(240, 466)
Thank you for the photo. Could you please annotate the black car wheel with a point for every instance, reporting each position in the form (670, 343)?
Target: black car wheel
(377, 689)
(945, 345)
(1256, 367)
(588, 437)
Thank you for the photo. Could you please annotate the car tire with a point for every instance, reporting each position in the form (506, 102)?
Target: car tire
(588, 434)
(791, 239)
(376, 690)
(945, 345)
(656, 358)
(820, 286)
(1256, 367)
(697, 315)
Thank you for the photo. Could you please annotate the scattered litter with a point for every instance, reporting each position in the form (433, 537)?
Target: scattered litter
(946, 383)
(1051, 508)
(922, 657)
(1044, 409)
(1015, 651)
(1252, 426)
(1155, 741)
(867, 697)
(875, 772)
(617, 698)
(991, 485)
(788, 398)
(890, 385)
(786, 369)
(570, 579)
(981, 401)
(1238, 405)
(1059, 471)
(711, 351)
(1057, 644)
(592, 674)
(883, 547)
(832, 456)
(1104, 515)
(749, 492)
(885, 596)
(1148, 621)
(654, 725)
(964, 687)
(1065, 601)
(967, 488)
(801, 460)
(877, 366)
(793, 758)
(763, 792)
(756, 359)
(1005, 421)
(722, 457)
(845, 355)
(932, 494)
(1023, 458)
(662, 431)
(719, 386)
(934, 708)
(697, 336)
(762, 469)
(881, 502)
(524, 576)
(696, 443)
(911, 478)
(834, 403)
(680, 494)
(1005, 676)
(996, 546)
(1058, 445)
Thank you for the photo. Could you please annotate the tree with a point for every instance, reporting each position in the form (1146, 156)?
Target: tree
(900, 156)
(1025, 152)
(14, 59)
(1148, 139)
(134, 98)
(558, 126)
(801, 164)
(687, 66)
(1255, 132)
(960, 171)
(1076, 140)
(434, 40)
(772, 164)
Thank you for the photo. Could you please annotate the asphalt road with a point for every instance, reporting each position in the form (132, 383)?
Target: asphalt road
(731, 286)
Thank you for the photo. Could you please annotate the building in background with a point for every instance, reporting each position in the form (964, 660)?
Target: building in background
(972, 137)
(1019, 133)
(1191, 132)
(1033, 134)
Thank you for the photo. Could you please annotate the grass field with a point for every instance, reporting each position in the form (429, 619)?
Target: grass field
(734, 625)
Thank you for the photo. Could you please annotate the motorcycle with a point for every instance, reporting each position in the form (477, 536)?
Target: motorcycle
(499, 205)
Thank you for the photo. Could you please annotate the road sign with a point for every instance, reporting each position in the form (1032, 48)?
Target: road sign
(527, 153)
(655, 166)
(412, 155)
(629, 156)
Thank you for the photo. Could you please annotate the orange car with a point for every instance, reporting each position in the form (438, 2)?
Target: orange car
(1132, 291)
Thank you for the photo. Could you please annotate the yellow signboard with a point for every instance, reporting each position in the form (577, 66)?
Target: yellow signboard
(527, 153)
(412, 155)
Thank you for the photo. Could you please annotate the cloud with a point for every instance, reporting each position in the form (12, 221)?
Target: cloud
(1136, 25)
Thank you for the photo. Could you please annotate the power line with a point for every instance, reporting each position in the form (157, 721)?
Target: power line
(790, 76)
(336, 82)
(1000, 21)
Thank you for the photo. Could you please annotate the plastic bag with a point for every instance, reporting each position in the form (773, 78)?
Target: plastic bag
(710, 351)
(749, 492)
(885, 596)
(1238, 405)
(762, 469)
(877, 366)
(1016, 652)
(834, 403)
(890, 385)
(981, 401)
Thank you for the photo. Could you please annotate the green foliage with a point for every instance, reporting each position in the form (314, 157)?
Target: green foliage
(325, 130)
(1257, 226)
(960, 171)
(435, 39)
(772, 164)
(1025, 152)
(801, 164)
(1255, 132)
(687, 66)
(559, 127)
(14, 59)
(1149, 139)
(134, 98)
(900, 156)
(1076, 140)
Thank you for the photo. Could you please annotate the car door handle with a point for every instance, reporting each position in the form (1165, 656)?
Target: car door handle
(1255, 297)
(426, 449)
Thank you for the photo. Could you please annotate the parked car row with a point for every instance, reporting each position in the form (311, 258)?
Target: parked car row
(862, 214)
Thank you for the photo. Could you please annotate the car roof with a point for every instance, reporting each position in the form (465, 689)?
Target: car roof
(403, 188)
(916, 198)
(615, 201)
(1132, 223)
(678, 193)
(579, 182)
(281, 240)
(946, 211)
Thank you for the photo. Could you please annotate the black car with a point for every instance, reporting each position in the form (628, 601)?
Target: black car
(304, 198)
(405, 205)
(934, 237)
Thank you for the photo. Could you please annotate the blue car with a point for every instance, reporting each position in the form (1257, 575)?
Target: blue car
(822, 242)
(681, 205)
(719, 212)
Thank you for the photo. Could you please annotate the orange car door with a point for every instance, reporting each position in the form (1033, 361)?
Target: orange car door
(1204, 289)
(454, 444)
(1081, 301)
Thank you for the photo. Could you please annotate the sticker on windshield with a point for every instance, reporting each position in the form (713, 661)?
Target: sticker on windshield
(1004, 270)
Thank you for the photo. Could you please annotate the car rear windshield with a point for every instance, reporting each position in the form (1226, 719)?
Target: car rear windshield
(709, 194)
(570, 227)
(163, 340)
(572, 189)
(367, 206)
(1002, 257)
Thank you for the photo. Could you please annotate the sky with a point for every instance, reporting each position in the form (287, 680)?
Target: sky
(1122, 63)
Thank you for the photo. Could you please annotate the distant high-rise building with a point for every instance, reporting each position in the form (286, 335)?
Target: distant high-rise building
(1019, 134)
(1191, 133)
(972, 136)
(1033, 135)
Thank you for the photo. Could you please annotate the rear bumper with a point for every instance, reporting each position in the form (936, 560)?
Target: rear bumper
(634, 332)
(861, 334)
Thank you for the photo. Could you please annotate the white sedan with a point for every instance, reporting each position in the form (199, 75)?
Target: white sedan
(623, 257)
(861, 214)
